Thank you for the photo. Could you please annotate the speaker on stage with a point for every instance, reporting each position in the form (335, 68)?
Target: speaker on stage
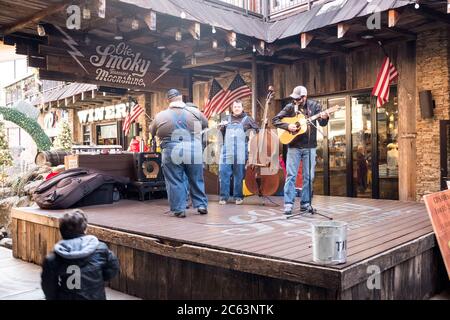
(426, 104)
(148, 167)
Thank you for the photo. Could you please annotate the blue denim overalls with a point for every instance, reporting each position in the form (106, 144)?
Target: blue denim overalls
(233, 159)
(178, 155)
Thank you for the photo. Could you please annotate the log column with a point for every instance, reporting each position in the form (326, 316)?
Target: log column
(407, 121)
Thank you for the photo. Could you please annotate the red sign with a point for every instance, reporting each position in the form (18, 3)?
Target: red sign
(438, 206)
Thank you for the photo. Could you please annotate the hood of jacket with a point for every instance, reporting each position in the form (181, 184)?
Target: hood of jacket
(77, 248)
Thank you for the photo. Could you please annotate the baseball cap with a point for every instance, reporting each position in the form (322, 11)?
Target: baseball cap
(172, 93)
(299, 92)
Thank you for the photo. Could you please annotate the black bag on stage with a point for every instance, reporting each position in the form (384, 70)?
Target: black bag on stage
(69, 187)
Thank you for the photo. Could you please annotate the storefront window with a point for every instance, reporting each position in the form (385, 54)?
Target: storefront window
(107, 134)
(362, 146)
(337, 149)
(387, 118)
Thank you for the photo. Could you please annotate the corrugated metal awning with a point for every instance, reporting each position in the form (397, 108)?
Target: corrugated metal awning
(330, 13)
(64, 92)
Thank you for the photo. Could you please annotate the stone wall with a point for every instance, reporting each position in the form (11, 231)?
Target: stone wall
(433, 73)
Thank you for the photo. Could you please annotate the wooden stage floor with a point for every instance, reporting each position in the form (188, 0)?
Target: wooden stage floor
(374, 226)
(252, 251)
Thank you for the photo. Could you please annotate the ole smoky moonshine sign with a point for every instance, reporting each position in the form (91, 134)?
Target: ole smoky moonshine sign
(116, 64)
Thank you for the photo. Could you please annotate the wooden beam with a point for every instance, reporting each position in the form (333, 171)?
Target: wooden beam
(194, 30)
(393, 17)
(34, 18)
(317, 44)
(305, 39)
(275, 60)
(403, 32)
(211, 61)
(232, 38)
(433, 14)
(150, 20)
(342, 29)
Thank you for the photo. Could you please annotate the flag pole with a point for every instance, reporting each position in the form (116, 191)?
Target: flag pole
(384, 50)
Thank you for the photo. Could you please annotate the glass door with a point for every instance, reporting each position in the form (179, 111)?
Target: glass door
(337, 149)
(361, 146)
(321, 155)
(387, 128)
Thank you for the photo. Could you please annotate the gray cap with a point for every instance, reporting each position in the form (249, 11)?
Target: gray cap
(299, 92)
(172, 93)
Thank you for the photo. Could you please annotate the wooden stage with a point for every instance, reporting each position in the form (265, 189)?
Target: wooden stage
(253, 251)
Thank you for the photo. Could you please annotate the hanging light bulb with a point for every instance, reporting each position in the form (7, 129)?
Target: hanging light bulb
(213, 30)
(135, 24)
(417, 5)
(183, 15)
(254, 48)
(178, 35)
(215, 44)
(40, 30)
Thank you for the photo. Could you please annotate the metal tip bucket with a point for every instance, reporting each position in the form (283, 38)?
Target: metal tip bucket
(329, 239)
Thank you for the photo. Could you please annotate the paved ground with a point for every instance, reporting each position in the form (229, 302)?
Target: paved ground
(20, 280)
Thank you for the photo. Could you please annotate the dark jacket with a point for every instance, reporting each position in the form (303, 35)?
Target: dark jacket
(309, 138)
(85, 256)
(249, 123)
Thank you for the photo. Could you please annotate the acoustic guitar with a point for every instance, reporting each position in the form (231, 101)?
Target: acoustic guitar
(301, 122)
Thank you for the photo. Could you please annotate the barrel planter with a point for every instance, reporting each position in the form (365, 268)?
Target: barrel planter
(54, 157)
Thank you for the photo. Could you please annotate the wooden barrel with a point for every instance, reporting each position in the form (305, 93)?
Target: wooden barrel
(54, 157)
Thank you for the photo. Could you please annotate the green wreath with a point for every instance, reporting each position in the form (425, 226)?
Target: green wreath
(31, 126)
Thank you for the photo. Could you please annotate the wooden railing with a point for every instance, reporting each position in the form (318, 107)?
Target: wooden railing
(255, 6)
(270, 8)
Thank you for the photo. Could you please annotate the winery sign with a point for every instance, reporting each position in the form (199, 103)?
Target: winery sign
(114, 63)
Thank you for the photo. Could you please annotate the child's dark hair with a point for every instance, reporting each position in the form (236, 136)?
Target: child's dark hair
(73, 224)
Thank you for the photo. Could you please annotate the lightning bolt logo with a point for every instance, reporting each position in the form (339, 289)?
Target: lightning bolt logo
(167, 62)
(71, 44)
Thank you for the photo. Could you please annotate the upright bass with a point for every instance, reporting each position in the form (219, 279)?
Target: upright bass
(264, 176)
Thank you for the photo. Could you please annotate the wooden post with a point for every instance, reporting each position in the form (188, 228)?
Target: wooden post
(190, 87)
(254, 86)
(407, 121)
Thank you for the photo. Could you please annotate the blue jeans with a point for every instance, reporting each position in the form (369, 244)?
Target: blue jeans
(175, 176)
(294, 156)
(186, 185)
(225, 172)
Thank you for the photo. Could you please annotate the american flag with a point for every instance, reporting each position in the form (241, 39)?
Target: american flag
(387, 74)
(237, 90)
(215, 98)
(132, 115)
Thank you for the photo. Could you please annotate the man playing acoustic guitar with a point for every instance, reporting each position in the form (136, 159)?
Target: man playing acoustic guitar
(302, 148)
